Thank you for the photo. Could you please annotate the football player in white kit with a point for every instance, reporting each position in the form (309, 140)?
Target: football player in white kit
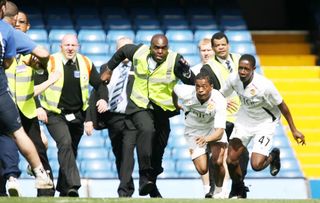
(258, 116)
(205, 120)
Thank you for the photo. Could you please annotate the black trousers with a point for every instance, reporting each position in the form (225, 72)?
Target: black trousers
(144, 122)
(123, 135)
(32, 128)
(67, 135)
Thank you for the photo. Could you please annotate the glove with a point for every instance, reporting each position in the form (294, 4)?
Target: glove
(185, 67)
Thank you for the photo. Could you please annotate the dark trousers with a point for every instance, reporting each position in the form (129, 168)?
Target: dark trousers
(144, 123)
(9, 161)
(67, 136)
(123, 134)
(32, 128)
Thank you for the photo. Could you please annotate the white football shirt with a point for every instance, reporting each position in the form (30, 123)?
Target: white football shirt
(259, 100)
(211, 114)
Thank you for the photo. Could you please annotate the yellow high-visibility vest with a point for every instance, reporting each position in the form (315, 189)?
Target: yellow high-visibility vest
(156, 86)
(21, 85)
(51, 96)
(222, 74)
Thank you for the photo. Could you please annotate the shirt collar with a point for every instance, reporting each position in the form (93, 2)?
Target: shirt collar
(64, 60)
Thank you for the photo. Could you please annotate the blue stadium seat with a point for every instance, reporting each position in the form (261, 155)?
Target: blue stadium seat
(85, 11)
(55, 35)
(99, 48)
(233, 24)
(55, 167)
(179, 35)
(92, 153)
(171, 13)
(185, 166)
(117, 24)
(91, 141)
(204, 24)
(95, 165)
(113, 12)
(281, 141)
(200, 34)
(143, 13)
(36, 22)
(52, 153)
(144, 36)
(183, 48)
(38, 35)
(98, 60)
(100, 174)
(88, 22)
(92, 35)
(243, 48)
(181, 152)
(192, 59)
(146, 24)
(55, 47)
(175, 24)
(57, 10)
(177, 131)
(238, 35)
(59, 23)
(199, 12)
(113, 35)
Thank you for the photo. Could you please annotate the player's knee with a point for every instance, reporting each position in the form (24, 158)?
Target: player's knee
(257, 166)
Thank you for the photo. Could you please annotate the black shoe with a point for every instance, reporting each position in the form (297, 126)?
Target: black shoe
(275, 164)
(209, 194)
(155, 193)
(238, 191)
(146, 188)
(73, 193)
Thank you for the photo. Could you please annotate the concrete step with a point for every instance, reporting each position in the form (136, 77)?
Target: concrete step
(291, 71)
(279, 36)
(283, 48)
(297, 84)
(288, 60)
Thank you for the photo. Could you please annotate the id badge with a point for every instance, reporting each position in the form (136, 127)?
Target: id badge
(76, 74)
(21, 68)
(70, 117)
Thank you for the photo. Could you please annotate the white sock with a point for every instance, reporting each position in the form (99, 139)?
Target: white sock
(39, 170)
(206, 188)
(217, 190)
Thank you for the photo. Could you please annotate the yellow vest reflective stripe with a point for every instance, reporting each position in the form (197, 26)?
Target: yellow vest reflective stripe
(222, 74)
(51, 96)
(156, 86)
(21, 84)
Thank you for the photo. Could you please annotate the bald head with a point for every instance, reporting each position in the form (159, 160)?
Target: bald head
(123, 41)
(69, 46)
(159, 47)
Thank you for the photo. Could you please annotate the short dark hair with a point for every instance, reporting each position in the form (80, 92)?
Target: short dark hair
(204, 74)
(249, 58)
(219, 35)
(3, 2)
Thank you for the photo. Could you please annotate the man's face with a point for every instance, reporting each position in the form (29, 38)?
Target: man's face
(203, 89)
(245, 71)
(221, 48)
(159, 49)
(22, 22)
(206, 52)
(69, 46)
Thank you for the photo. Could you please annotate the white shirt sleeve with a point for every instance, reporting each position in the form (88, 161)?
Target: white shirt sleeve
(227, 90)
(273, 95)
(183, 91)
(221, 111)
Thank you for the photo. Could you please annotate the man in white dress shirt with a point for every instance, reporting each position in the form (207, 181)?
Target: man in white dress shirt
(205, 120)
(257, 118)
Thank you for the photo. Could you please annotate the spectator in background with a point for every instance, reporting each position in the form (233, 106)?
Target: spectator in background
(122, 131)
(258, 116)
(156, 72)
(65, 102)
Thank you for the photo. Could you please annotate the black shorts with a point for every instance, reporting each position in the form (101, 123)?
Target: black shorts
(9, 116)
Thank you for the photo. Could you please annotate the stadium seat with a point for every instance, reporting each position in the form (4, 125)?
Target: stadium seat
(59, 23)
(146, 24)
(192, 59)
(98, 60)
(143, 13)
(200, 34)
(55, 35)
(92, 35)
(171, 13)
(179, 36)
(238, 35)
(183, 48)
(95, 165)
(92, 153)
(117, 24)
(55, 47)
(175, 24)
(98, 48)
(199, 12)
(113, 12)
(38, 35)
(36, 22)
(52, 153)
(243, 48)
(181, 151)
(144, 36)
(100, 174)
(88, 22)
(204, 24)
(113, 35)
(85, 11)
(185, 166)
(233, 24)
(94, 141)
(281, 141)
